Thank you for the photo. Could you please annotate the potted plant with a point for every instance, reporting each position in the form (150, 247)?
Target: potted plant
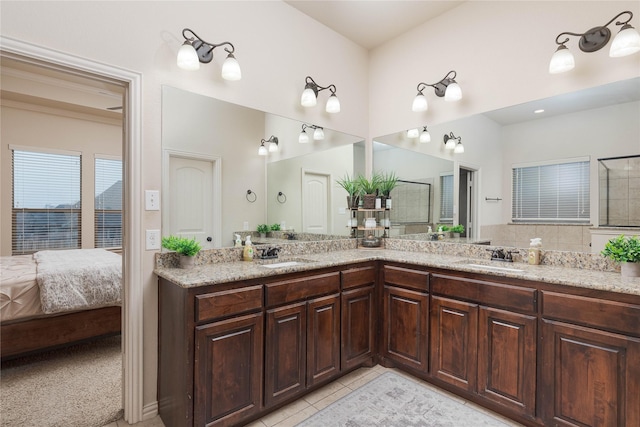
(185, 247)
(351, 186)
(626, 251)
(263, 229)
(457, 230)
(388, 181)
(369, 188)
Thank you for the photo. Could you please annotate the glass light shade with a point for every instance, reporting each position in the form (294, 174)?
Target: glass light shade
(273, 147)
(453, 92)
(231, 69)
(425, 136)
(262, 150)
(308, 98)
(561, 61)
(626, 42)
(318, 134)
(459, 148)
(450, 144)
(419, 103)
(333, 104)
(413, 133)
(188, 57)
(303, 138)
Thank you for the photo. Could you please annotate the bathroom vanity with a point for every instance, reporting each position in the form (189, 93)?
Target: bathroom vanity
(542, 345)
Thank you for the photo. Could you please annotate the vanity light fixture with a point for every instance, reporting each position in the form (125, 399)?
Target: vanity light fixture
(450, 143)
(425, 136)
(446, 87)
(195, 50)
(273, 146)
(318, 133)
(310, 95)
(626, 42)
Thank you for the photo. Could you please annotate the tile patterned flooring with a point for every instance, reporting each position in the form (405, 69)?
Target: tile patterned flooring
(298, 411)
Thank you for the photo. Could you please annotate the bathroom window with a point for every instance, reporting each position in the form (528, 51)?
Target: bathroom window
(46, 210)
(551, 192)
(108, 203)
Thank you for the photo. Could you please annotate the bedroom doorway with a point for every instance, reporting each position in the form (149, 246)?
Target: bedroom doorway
(47, 63)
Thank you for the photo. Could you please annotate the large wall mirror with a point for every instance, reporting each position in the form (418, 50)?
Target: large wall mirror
(215, 144)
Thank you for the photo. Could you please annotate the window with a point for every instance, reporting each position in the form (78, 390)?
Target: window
(556, 192)
(46, 201)
(446, 198)
(108, 203)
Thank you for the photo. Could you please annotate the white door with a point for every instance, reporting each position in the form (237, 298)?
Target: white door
(191, 199)
(315, 202)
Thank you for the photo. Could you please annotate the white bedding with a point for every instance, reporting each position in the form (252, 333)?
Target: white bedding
(77, 279)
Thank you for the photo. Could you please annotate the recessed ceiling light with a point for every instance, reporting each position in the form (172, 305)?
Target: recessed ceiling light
(538, 111)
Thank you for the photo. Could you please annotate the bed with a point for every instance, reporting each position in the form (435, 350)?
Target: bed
(55, 298)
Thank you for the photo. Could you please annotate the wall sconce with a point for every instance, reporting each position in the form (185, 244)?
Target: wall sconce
(425, 136)
(626, 42)
(446, 87)
(318, 133)
(195, 50)
(273, 146)
(450, 143)
(310, 94)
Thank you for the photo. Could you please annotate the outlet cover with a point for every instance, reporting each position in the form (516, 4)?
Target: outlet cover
(153, 240)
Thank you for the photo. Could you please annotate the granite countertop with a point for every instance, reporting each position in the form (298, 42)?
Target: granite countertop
(217, 273)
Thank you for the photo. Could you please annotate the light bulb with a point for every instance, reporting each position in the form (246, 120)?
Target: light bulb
(453, 92)
(231, 69)
(420, 103)
(303, 138)
(188, 57)
(262, 150)
(318, 134)
(333, 104)
(308, 98)
(561, 61)
(425, 136)
(273, 147)
(450, 144)
(626, 42)
(413, 133)
(459, 148)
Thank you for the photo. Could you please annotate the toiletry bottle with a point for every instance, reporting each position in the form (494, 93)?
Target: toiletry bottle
(534, 251)
(238, 241)
(247, 253)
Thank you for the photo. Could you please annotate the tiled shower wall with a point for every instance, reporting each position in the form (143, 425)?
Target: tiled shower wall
(623, 205)
(562, 237)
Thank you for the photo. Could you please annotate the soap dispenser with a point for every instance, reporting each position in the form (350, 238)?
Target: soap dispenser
(247, 253)
(534, 251)
(238, 241)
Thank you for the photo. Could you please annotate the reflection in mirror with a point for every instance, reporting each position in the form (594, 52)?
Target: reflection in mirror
(215, 144)
(619, 179)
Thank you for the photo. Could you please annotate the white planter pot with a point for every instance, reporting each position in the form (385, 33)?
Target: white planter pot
(630, 269)
(187, 261)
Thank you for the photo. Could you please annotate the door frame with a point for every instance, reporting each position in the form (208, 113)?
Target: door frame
(216, 162)
(133, 250)
(475, 205)
(303, 174)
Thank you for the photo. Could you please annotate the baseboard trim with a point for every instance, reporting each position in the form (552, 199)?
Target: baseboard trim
(149, 410)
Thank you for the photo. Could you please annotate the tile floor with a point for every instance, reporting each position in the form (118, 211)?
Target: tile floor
(298, 411)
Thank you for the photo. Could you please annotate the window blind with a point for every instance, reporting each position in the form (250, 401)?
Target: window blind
(108, 203)
(551, 193)
(46, 201)
(446, 198)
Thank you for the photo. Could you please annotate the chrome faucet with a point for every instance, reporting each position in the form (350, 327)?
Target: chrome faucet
(499, 254)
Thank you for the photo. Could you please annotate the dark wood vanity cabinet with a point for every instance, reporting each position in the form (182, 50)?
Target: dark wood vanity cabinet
(483, 339)
(590, 373)
(405, 317)
(303, 334)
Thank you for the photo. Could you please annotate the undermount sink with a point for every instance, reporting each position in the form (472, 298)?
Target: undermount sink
(487, 266)
(280, 263)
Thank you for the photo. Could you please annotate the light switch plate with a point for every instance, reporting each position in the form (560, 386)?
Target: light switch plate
(153, 240)
(152, 200)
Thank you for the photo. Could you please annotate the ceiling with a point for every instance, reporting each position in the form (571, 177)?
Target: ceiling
(370, 23)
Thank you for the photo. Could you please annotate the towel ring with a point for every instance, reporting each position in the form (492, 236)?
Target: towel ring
(281, 197)
(248, 196)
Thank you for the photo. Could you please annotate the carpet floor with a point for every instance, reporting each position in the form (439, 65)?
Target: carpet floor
(78, 386)
(392, 400)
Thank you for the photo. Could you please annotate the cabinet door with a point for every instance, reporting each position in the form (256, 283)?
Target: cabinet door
(405, 321)
(454, 341)
(589, 377)
(323, 339)
(507, 359)
(285, 352)
(228, 371)
(357, 326)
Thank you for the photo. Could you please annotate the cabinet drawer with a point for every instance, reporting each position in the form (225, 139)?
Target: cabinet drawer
(356, 277)
(608, 315)
(302, 288)
(227, 303)
(406, 277)
(487, 293)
